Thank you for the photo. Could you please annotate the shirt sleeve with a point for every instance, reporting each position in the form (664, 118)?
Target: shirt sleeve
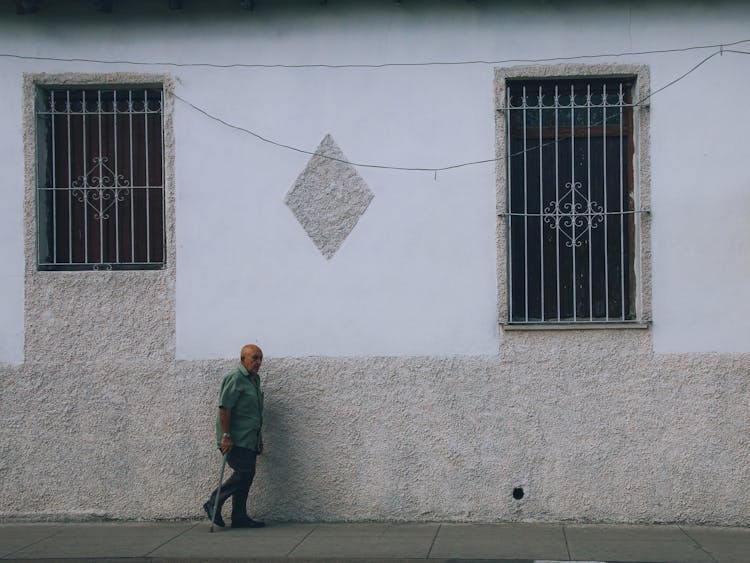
(229, 393)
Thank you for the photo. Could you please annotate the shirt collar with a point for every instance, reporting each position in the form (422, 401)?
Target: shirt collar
(243, 371)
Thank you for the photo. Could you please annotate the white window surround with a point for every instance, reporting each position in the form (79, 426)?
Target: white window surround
(641, 293)
(33, 83)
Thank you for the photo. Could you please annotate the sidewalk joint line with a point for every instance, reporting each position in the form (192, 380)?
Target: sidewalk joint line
(186, 530)
(307, 535)
(699, 545)
(434, 539)
(58, 530)
(567, 545)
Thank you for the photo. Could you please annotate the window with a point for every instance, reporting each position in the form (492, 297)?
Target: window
(572, 247)
(100, 178)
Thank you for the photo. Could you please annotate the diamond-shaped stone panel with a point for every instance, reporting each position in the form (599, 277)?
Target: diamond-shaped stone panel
(328, 198)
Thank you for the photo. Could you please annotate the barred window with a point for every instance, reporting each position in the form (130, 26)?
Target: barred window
(100, 178)
(570, 200)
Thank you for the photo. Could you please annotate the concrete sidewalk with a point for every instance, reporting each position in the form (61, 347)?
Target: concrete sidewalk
(182, 541)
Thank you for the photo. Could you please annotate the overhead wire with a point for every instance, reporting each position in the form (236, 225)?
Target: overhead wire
(376, 65)
(720, 49)
(311, 153)
(433, 169)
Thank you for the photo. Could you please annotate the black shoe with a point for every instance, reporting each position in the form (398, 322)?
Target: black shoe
(246, 522)
(218, 520)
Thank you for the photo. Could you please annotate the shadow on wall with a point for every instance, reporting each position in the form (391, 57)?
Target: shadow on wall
(310, 469)
(282, 489)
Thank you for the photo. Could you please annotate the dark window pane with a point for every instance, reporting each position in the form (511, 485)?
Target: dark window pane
(100, 192)
(570, 185)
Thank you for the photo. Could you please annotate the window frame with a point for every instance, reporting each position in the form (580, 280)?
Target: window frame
(42, 153)
(641, 269)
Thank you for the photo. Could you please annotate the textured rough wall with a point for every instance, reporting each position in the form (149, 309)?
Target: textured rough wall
(102, 421)
(594, 427)
(328, 197)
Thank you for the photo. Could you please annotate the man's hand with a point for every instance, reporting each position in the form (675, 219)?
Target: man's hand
(225, 417)
(226, 445)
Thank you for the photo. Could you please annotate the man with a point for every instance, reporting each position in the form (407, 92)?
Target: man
(238, 433)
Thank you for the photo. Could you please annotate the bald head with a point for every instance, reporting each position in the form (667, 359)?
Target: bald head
(251, 357)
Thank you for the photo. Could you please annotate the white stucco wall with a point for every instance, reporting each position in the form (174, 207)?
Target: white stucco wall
(416, 276)
(11, 221)
(395, 339)
(701, 203)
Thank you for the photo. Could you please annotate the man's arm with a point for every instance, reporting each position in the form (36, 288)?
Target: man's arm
(225, 419)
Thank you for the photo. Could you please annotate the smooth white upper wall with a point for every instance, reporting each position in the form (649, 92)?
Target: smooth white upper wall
(11, 217)
(417, 276)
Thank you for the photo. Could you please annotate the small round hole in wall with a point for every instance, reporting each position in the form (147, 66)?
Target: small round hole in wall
(518, 493)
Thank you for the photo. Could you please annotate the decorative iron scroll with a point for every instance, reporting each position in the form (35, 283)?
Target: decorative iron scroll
(574, 218)
(100, 184)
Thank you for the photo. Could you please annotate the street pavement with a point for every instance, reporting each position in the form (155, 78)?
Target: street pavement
(371, 542)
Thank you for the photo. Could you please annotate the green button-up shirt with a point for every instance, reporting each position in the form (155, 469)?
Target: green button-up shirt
(241, 392)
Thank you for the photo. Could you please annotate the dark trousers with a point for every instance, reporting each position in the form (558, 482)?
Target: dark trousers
(242, 461)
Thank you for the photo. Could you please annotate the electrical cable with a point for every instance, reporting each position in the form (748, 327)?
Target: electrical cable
(676, 80)
(378, 65)
(311, 153)
(636, 104)
(437, 168)
(721, 49)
